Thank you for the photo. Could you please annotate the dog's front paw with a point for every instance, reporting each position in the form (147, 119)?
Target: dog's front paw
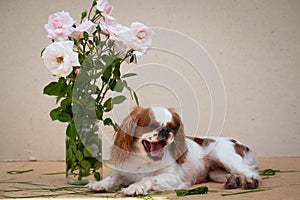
(99, 186)
(232, 181)
(135, 190)
(251, 183)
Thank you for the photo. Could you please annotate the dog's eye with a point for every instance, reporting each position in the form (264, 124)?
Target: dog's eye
(173, 128)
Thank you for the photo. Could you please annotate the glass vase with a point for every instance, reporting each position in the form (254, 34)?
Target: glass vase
(83, 143)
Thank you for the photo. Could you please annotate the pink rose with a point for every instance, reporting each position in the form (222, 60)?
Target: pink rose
(142, 36)
(86, 26)
(137, 37)
(104, 7)
(60, 58)
(59, 26)
(110, 26)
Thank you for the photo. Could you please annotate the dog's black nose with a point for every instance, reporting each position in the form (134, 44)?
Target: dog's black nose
(164, 132)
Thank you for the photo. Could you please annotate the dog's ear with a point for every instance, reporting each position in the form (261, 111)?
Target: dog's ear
(125, 135)
(179, 147)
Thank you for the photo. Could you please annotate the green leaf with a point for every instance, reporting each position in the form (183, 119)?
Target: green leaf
(99, 112)
(97, 164)
(117, 72)
(98, 42)
(66, 103)
(87, 153)
(108, 122)
(112, 84)
(136, 98)
(79, 156)
(125, 84)
(64, 117)
(129, 75)
(71, 131)
(198, 190)
(75, 41)
(83, 14)
(52, 88)
(119, 86)
(58, 89)
(85, 35)
(108, 106)
(73, 146)
(69, 90)
(54, 113)
(118, 99)
(131, 59)
(69, 154)
(107, 74)
(81, 57)
(97, 176)
(85, 164)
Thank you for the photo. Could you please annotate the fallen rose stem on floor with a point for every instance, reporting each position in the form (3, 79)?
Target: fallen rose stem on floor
(71, 190)
(22, 182)
(244, 192)
(19, 171)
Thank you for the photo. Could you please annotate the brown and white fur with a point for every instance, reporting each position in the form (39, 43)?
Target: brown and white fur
(152, 153)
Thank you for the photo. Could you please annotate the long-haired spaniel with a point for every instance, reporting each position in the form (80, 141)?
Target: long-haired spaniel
(152, 153)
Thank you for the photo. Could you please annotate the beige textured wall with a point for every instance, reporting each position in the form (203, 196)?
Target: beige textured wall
(255, 44)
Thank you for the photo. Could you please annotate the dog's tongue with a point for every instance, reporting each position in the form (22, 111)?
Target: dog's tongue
(156, 149)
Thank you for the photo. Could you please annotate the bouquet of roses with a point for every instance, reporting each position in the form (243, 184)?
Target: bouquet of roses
(86, 57)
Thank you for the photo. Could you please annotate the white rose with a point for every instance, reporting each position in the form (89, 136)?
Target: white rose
(60, 58)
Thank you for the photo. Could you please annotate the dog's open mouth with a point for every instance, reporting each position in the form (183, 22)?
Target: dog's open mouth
(155, 149)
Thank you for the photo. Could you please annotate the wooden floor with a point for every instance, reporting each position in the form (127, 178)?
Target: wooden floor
(283, 185)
